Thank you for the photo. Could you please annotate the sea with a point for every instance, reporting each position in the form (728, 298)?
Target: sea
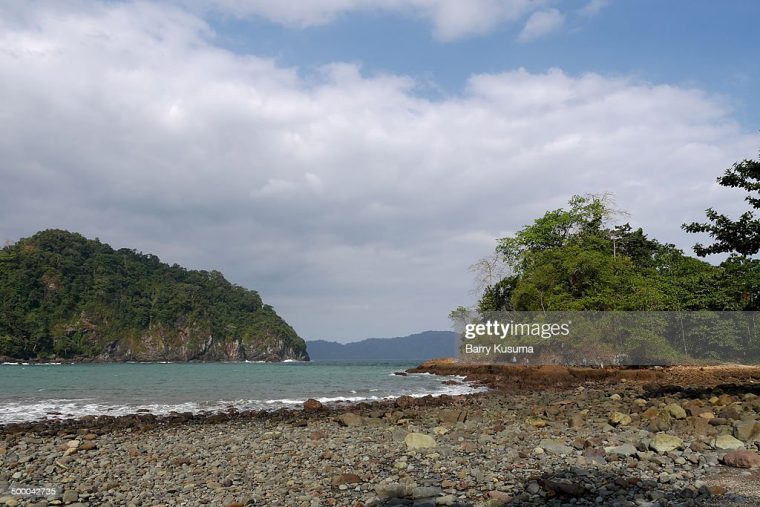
(32, 392)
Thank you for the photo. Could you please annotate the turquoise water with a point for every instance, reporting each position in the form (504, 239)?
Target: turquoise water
(34, 392)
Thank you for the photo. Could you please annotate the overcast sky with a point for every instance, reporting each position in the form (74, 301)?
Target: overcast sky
(349, 159)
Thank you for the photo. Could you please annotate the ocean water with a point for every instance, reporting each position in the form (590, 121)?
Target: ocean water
(31, 392)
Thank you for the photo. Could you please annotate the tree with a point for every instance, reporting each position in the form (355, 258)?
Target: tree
(740, 236)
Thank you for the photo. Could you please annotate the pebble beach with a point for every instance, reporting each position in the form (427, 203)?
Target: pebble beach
(673, 436)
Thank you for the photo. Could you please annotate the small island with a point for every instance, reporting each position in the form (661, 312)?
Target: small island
(66, 297)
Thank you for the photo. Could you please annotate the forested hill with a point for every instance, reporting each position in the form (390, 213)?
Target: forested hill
(65, 296)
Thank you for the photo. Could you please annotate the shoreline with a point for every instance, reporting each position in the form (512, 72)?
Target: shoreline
(620, 438)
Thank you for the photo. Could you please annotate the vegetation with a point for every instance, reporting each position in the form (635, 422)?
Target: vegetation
(740, 236)
(575, 259)
(64, 295)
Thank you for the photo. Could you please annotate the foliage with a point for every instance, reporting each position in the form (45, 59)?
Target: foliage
(740, 236)
(575, 260)
(62, 294)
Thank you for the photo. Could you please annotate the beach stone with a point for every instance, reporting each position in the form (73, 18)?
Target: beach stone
(341, 479)
(498, 498)
(742, 459)
(536, 422)
(562, 488)
(555, 446)
(312, 405)
(730, 412)
(426, 492)
(404, 402)
(450, 416)
(576, 420)
(676, 411)
(350, 419)
(747, 431)
(419, 441)
(393, 490)
(662, 442)
(727, 442)
(619, 419)
(615, 397)
(70, 496)
(622, 450)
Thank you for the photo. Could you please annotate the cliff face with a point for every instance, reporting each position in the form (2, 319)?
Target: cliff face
(63, 296)
(181, 347)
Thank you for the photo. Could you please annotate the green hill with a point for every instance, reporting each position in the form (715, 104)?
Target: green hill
(65, 296)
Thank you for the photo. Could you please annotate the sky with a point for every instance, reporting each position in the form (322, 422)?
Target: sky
(350, 159)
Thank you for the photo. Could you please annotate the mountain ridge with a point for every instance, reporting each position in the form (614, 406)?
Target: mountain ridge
(414, 348)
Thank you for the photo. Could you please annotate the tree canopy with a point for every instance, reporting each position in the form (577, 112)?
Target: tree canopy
(741, 236)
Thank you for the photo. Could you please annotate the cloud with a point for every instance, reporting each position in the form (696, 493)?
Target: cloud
(593, 7)
(451, 19)
(324, 192)
(541, 23)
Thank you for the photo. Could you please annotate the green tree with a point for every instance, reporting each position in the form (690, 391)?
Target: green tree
(741, 236)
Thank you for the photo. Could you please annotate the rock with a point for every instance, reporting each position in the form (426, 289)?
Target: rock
(88, 446)
(312, 405)
(662, 442)
(70, 496)
(731, 413)
(393, 490)
(555, 446)
(562, 488)
(536, 422)
(73, 444)
(619, 419)
(576, 420)
(498, 498)
(726, 442)
(533, 488)
(615, 397)
(405, 402)
(747, 431)
(450, 416)
(622, 450)
(345, 479)
(426, 492)
(350, 419)
(676, 411)
(707, 415)
(742, 459)
(419, 441)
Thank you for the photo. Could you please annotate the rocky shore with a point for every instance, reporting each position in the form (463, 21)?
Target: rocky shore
(541, 436)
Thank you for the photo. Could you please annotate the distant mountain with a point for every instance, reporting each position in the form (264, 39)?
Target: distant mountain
(413, 348)
(65, 296)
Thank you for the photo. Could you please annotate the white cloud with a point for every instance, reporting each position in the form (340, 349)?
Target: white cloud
(593, 7)
(451, 19)
(126, 123)
(541, 23)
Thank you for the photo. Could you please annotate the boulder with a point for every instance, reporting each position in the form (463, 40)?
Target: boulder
(555, 446)
(747, 431)
(676, 411)
(419, 441)
(726, 443)
(742, 459)
(619, 419)
(350, 419)
(312, 405)
(662, 442)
